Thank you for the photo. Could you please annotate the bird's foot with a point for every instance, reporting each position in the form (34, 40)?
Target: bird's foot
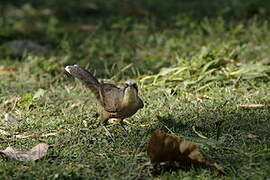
(113, 121)
(123, 126)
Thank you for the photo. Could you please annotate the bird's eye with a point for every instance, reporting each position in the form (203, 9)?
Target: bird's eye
(135, 86)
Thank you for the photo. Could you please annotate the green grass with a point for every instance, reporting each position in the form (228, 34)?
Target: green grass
(191, 73)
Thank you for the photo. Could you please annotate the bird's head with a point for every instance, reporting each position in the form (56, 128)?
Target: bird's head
(131, 98)
(131, 86)
(130, 92)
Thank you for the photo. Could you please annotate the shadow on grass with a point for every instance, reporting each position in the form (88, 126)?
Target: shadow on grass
(233, 136)
(152, 9)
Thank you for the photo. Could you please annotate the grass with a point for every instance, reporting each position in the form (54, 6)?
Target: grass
(191, 73)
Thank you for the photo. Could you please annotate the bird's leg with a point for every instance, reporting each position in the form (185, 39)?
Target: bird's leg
(123, 125)
(117, 121)
(107, 131)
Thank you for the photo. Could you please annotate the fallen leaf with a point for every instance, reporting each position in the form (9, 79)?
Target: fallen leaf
(252, 136)
(250, 105)
(33, 154)
(22, 46)
(6, 71)
(167, 148)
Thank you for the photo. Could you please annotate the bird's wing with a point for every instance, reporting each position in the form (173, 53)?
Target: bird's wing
(141, 105)
(110, 97)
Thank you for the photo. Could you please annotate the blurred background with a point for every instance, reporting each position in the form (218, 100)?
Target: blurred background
(144, 35)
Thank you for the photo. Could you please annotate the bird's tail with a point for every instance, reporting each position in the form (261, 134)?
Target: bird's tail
(84, 76)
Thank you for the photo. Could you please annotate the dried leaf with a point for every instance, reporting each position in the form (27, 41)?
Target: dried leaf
(251, 105)
(21, 46)
(252, 136)
(33, 154)
(167, 148)
(5, 71)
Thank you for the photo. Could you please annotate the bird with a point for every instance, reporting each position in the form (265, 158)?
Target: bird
(116, 103)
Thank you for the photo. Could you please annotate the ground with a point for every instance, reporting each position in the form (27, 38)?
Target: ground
(197, 75)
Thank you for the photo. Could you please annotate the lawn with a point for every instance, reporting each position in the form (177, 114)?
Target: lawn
(203, 75)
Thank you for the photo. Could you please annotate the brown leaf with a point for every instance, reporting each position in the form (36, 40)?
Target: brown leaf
(33, 154)
(4, 71)
(167, 148)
